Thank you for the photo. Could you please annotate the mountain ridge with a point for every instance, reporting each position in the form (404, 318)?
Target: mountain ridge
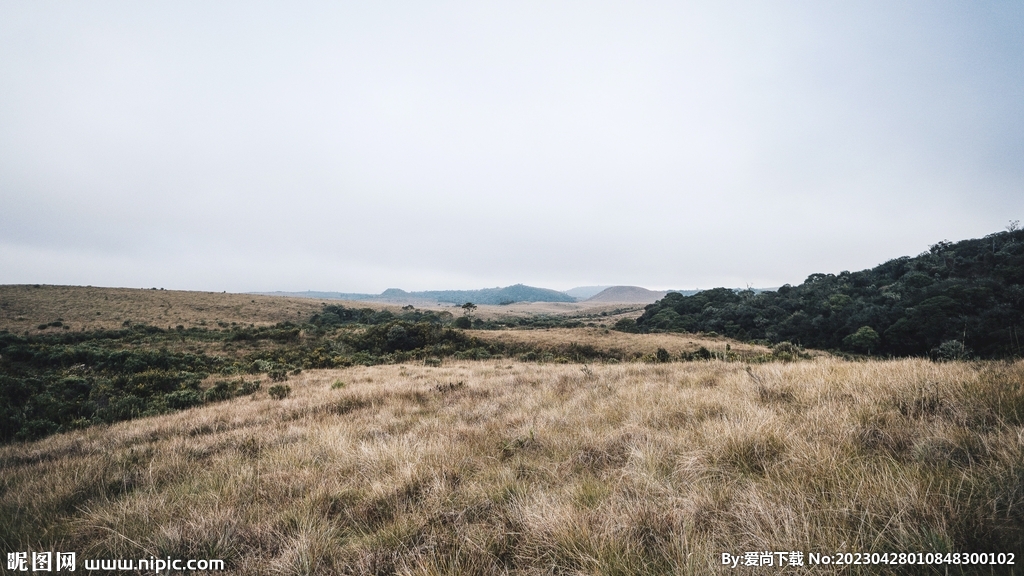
(497, 295)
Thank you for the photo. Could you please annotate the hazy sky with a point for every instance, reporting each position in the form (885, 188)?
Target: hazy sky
(248, 146)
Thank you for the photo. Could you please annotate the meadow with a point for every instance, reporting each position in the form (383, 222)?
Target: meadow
(31, 308)
(508, 467)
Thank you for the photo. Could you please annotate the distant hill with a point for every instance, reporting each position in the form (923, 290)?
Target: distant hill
(322, 295)
(584, 292)
(628, 294)
(507, 295)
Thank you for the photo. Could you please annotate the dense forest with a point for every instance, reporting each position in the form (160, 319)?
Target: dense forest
(957, 300)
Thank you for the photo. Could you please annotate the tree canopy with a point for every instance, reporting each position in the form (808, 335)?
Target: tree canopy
(969, 292)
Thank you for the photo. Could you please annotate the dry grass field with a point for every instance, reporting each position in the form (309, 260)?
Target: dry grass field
(614, 343)
(613, 311)
(502, 467)
(24, 307)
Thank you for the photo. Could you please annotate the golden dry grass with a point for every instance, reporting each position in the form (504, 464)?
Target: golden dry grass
(518, 468)
(23, 307)
(613, 311)
(613, 343)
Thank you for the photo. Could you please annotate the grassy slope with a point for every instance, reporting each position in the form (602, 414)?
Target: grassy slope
(535, 469)
(24, 307)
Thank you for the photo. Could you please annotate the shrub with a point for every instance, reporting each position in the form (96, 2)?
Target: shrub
(951, 350)
(220, 391)
(245, 388)
(626, 325)
(279, 391)
(180, 399)
(702, 353)
(34, 429)
(787, 351)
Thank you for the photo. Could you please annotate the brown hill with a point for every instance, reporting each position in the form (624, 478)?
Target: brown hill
(24, 307)
(630, 294)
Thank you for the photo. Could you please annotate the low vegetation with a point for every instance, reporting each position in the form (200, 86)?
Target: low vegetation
(58, 380)
(490, 467)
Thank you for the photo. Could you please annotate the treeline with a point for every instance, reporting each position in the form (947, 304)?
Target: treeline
(957, 300)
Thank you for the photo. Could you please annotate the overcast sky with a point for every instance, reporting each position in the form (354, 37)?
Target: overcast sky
(248, 146)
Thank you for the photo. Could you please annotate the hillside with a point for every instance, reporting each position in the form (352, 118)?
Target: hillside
(507, 295)
(27, 307)
(955, 301)
(627, 295)
(584, 292)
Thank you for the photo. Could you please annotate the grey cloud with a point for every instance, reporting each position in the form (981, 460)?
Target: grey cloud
(354, 147)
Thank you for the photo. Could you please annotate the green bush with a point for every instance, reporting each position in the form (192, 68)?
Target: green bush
(279, 391)
(220, 391)
(181, 399)
(952, 350)
(626, 325)
(787, 351)
(248, 387)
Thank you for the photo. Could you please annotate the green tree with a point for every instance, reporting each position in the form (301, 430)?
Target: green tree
(865, 339)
